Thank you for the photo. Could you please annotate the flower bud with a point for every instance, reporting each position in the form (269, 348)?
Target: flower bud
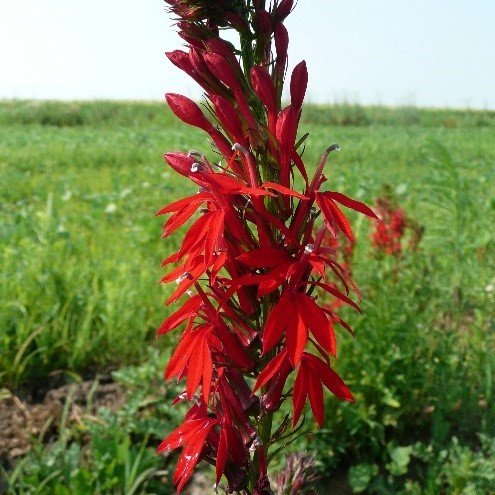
(188, 111)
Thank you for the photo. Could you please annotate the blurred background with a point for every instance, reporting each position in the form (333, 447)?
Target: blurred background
(405, 88)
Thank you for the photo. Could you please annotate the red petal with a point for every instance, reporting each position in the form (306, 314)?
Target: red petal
(337, 294)
(180, 435)
(191, 454)
(318, 323)
(296, 335)
(333, 215)
(228, 117)
(215, 231)
(332, 381)
(275, 324)
(351, 203)
(178, 219)
(195, 363)
(283, 9)
(316, 398)
(207, 372)
(196, 234)
(270, 369)
(183, 203)
(188, 309)
(178, 361)
(283, 190)
(264, 257)
(221, 455)
(299, 395)
(233, 348)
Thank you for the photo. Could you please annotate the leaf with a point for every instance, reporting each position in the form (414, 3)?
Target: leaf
(400, 458)
(360, 476)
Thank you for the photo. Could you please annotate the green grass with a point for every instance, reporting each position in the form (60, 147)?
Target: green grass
(80, 254)
(81, 181)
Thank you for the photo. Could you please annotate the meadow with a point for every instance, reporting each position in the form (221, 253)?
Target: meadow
(80, 301)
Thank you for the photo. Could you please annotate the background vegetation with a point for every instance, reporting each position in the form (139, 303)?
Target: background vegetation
(79, 299)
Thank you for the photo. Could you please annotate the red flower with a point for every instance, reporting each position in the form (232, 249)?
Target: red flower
(258, 272)
(191, 436)
(313, 373)
(298, 314)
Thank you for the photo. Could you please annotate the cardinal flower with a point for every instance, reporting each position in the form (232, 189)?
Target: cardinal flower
(256, 276)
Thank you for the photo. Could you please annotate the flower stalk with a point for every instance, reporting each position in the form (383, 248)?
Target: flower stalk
(254, 263)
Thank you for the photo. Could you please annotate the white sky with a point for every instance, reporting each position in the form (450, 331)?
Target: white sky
(422, 52)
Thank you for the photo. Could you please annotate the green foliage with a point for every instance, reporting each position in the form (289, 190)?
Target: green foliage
(113, 453)
(80, 254)
(453, 470)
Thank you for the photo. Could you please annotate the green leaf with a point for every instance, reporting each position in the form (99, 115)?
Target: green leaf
(360, 476)
(400, 458)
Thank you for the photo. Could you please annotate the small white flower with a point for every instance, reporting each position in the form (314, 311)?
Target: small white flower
(125, 192)
(490, 288)
(111, 208)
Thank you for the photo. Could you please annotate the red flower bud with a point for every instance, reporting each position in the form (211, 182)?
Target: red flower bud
(187, 111)
(220, 68)
(281, 45)
(283, 10)
(298, 84)
(236, 21)
(228, 117)
(254, 262)
(264, 22)
(181, 60)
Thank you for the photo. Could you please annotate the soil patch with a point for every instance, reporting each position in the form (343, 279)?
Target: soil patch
(22, 420)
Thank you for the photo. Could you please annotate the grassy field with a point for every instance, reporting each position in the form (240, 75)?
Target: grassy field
(80, 255)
